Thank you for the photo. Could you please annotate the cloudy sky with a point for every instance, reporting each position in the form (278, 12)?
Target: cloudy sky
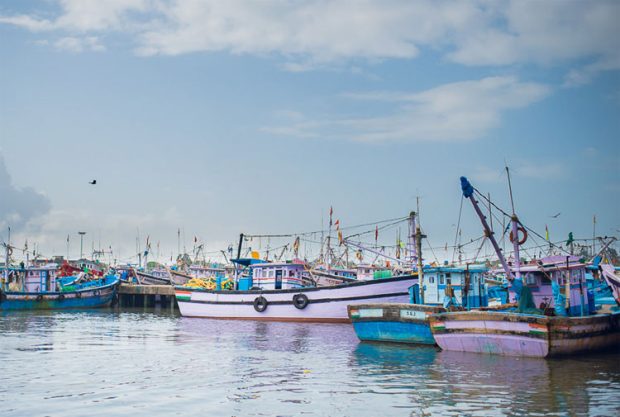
(221, 117)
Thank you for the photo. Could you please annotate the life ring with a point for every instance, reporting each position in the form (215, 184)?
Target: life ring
(39, 297)
(61, 297)
(300, 301)
(359, 255)
(523, 239)
(260, 304)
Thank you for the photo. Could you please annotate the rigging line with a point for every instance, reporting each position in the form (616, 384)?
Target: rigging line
(373, 230)
(397, 220)
(428, 242)
(480, 248)
(526, 227)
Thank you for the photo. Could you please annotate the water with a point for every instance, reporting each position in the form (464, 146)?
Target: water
(102, 363)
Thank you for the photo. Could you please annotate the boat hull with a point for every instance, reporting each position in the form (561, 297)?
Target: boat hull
(87, 298)
(324, 304)
(514, 334)
(397, 323)
(148, 279)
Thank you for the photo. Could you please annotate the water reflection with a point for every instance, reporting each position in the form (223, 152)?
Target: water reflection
(106, 362)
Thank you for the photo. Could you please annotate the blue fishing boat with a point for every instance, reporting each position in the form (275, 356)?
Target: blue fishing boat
(444, 289)
(439, 289)
(42, 289)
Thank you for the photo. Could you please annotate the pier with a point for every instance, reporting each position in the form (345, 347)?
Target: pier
(146, 296)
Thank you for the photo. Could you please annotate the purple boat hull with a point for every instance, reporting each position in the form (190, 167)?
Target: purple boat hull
(514, 334)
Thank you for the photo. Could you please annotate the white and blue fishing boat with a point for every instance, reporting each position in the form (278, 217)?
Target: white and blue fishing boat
(40, 288)
(444, 288)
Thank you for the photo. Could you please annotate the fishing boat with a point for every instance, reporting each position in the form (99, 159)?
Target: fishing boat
(158, 276)
(43, 290)
(568, 327)
(278, 291)
(291, 302)
(441, 288)
(445, 288)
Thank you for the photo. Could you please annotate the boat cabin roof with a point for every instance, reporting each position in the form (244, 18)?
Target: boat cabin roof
(456, 269)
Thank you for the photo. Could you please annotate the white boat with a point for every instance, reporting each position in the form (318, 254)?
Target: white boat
(316, 304)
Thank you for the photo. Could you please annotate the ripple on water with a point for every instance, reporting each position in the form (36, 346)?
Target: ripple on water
(108, 363)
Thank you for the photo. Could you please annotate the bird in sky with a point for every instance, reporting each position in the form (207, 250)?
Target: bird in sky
(93, 182)
(555, 216)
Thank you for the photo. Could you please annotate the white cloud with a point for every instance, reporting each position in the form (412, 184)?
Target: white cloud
(72, 44)
(315, 33)
(452, 112)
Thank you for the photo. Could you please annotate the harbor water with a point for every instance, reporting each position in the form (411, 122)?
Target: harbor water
(156, 363)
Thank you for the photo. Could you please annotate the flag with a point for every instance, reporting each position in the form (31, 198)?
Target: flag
(398, 242)
(331, 211)
(594, 219)
(148, 244)
(67, 238)
(195, 239)
(570, 239)
(340, 239)
(546, 233)
(376, 233)
(296, 245)
(337, 224)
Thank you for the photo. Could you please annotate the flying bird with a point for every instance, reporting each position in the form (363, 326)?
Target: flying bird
(93, 182)
(555, 216)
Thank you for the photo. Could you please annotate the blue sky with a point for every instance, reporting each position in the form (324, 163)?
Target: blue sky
(228, 117)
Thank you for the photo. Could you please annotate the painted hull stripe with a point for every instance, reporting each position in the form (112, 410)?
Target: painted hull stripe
(309, 289)
(285, 302)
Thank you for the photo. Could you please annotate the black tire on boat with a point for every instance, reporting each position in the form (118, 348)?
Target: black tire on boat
(61, 297)
(300, 301)
(39, 297)
(2, 296)
(78, 295)
(260, 304)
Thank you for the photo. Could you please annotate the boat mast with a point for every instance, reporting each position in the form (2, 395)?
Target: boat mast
(418, 239)
(468, 192)
(7, 247)
(412, 244)
(515, 232)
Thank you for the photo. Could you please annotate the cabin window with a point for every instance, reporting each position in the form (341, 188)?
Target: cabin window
(431, 279)
(291, 273)
(270, 273)
(442, 279)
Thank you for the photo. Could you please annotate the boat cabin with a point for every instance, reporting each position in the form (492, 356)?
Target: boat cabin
(570, 277)
(467, 284)
(200, 271)
(277, 276)
(367, 272)
(39, 279)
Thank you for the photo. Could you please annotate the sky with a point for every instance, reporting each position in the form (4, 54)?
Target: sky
(219, 118)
